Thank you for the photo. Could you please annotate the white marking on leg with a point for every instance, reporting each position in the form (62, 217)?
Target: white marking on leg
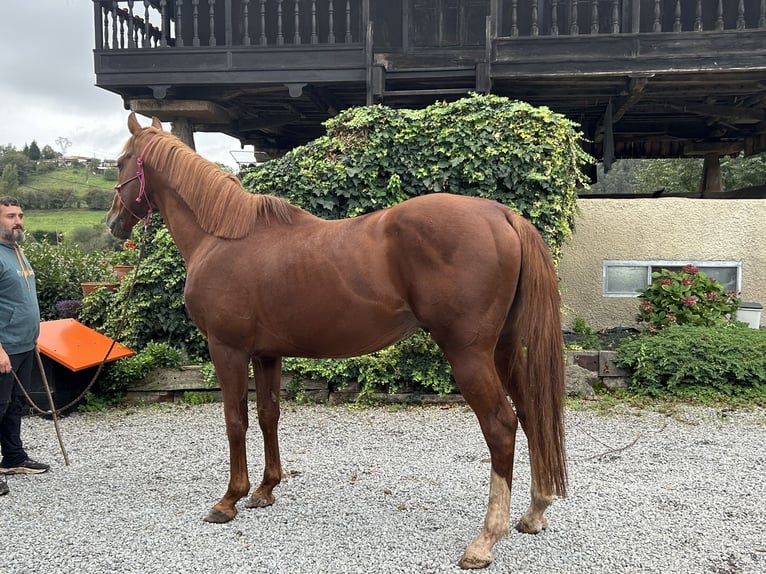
(496, 524)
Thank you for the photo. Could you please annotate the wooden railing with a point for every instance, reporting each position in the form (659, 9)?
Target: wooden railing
(593, 17)
(128, 24)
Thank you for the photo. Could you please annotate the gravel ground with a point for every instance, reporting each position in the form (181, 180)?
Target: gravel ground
(385, 491)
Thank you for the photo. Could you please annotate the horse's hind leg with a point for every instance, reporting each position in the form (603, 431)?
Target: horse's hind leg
(533, 520)
(231, 369)
(267, 372)
(482, 390)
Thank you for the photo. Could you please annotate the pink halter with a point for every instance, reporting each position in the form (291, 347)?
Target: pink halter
(142, 186)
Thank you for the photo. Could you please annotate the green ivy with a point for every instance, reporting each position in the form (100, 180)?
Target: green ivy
(155, 310)
(415, 363)
(730, 359)
(373, 157)
(59, 271)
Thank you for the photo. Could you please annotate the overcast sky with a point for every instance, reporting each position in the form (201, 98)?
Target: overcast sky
(47, 85)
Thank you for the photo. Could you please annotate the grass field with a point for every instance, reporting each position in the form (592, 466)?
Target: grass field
(62, 220)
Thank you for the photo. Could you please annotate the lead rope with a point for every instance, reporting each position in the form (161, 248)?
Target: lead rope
(53, 411)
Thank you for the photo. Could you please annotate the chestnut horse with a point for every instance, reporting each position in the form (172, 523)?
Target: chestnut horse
(266, 279)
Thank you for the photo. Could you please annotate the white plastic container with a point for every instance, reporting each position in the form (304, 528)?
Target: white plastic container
(749, 313)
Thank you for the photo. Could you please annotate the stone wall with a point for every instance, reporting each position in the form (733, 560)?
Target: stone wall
(585, 369)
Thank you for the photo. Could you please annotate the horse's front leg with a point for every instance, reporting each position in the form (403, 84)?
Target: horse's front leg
(231, 370)
(267, 372)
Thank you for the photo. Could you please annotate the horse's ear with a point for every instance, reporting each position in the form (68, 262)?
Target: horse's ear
(156, 123)
(133, 124)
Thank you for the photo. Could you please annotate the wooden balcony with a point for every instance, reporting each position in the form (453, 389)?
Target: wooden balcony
(645, 78)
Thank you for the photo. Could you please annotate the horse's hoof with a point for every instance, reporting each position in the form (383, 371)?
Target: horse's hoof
(217, 517)
(469, 562)
(529, 525)
(259, 501)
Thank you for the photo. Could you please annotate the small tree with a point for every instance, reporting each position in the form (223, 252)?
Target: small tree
(9, 182)
(33, 152)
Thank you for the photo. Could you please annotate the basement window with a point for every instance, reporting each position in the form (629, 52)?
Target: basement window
(626, 278)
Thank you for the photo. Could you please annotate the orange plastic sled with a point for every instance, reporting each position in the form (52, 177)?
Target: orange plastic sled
(76, 346)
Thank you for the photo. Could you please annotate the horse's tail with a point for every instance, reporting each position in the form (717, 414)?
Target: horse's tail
(535, 321)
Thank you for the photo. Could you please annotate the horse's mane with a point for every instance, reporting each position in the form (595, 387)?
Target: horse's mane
(220, 204)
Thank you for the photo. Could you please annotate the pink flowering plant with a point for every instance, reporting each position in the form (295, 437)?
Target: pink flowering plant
(126, 254)
(686, 297)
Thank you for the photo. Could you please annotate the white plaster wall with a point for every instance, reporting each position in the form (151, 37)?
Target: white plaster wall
(658, 229)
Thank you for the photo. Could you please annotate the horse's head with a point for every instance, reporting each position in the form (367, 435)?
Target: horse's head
(131, 203)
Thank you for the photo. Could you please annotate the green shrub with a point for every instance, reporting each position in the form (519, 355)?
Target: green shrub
(730, 359)
(588, 339)
(116, 376)
(59, 271)
(415, 362)
(686, 297)
(155, 310)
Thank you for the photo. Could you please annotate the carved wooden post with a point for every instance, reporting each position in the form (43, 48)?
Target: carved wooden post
(131, 34)
(657, 25)
(280, 36)
(349, 38)
(297, 22)
(263, 39)
(594, 17)
(115, 23)
(314, 35)
(179, 25)
(719, 16)
(574, 29)
(555, 18)
(741, 15)
(698, 17)
(246, 22)
(331, 17)
(164, 23)
(212, 41)
(148, 36)
(514, 18)
(195, 22)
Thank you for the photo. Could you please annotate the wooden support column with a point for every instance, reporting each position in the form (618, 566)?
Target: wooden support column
(711, 181)
(183, 129)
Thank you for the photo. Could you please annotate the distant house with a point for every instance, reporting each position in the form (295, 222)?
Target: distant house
(75, 160)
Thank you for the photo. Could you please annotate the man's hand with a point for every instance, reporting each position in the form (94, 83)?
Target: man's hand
(5, 362)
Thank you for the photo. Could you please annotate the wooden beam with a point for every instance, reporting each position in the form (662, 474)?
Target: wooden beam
(621, 105)
(728, 113)
(197, 111)
(706, 148)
